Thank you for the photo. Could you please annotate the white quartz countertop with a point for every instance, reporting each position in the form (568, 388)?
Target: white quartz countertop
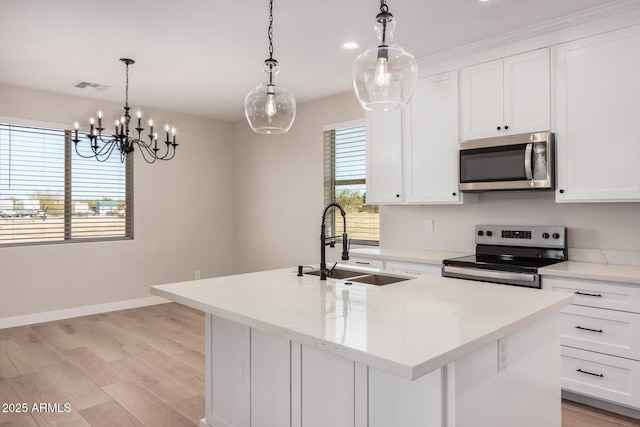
(408, 328)
(594, 271)
(424, 256)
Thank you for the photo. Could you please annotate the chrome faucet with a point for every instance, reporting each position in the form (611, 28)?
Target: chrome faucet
(324, 271)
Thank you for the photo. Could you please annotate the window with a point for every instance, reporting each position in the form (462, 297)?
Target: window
(48, 193)
(345, 183)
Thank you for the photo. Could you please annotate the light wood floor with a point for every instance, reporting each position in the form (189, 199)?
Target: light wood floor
(140, 367)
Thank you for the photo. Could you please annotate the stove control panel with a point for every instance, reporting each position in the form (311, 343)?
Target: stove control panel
(511, 235)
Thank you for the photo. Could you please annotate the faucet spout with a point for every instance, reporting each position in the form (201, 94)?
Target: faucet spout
(323, 240)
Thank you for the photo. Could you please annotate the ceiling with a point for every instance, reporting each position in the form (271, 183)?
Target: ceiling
(201, 57)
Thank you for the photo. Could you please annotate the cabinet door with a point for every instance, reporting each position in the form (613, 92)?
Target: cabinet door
(413, 268)
(598, 85)
(431, 142)
(527, 93)
(482, 100)
(328, 394)
(384, 157)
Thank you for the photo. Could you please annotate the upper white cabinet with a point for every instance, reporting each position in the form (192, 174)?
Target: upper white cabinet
(431, 141)
(507, 96)
(412, 154)
(384, 157)
(597, 106)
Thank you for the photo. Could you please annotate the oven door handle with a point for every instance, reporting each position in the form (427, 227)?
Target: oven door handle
(527, 161)
(473, 272)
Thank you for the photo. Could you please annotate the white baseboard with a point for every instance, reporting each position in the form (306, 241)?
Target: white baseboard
(49, 316)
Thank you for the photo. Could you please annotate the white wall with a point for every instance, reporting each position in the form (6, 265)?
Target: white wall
(608, 227)
(278, 187)
(183, 218)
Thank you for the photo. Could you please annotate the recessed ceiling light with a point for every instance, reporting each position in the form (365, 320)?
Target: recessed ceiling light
(350, 45)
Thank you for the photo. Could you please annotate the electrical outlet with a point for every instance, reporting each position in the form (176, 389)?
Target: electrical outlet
(503, 353)
(197, 274)
(429, 226)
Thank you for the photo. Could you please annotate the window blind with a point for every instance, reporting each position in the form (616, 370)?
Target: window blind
(50, 194)
(345, 183)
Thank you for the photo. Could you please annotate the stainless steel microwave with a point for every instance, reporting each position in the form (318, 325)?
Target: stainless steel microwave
(516, 162)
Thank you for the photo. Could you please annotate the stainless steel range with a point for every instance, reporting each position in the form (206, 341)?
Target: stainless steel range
(510, 255)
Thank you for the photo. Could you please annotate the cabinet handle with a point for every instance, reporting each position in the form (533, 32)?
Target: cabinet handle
(506, 128)
(362, 263)
(589, 373)
(589, 329)
(498, 128)
(561, 191)
(588, 295)
(397, 195)
(454, 194)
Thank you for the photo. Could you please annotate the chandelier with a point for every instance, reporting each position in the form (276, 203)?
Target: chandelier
(102, 146)
(270, 108)
(385, 75)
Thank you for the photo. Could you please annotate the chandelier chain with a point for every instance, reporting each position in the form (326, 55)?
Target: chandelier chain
(126, 93)
(383, 6)
(270, 31)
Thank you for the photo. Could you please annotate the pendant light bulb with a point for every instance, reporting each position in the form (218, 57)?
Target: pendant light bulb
(382, 77)
(270, 108)
(385, 75)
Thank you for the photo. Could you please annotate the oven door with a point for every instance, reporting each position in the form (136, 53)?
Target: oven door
(515, 162)
(529, 280)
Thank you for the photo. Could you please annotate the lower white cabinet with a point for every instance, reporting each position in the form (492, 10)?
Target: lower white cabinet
(367, 262)
(255, 378)
(413, 268)
(600, 339)
(400, 267)
(615, 379)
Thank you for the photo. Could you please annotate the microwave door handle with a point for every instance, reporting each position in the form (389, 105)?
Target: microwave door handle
(527, 161)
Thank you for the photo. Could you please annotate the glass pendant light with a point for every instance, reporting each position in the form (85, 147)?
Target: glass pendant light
(385, 75)
(270, 108)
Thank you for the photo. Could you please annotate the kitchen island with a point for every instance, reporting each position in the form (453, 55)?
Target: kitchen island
(283, 350)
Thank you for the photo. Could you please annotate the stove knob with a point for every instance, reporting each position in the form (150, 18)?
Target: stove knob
(556, 235)
(480, 233)
(545, 235)
(489, 233)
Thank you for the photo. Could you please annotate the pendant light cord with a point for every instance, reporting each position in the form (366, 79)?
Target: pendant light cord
(270, 31)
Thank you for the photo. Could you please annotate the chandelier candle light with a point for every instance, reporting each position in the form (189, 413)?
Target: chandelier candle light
(270, 108)
(385, 75)
(103, 145)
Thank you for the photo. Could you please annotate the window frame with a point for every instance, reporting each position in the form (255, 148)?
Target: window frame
(69, 151)
(330, 181)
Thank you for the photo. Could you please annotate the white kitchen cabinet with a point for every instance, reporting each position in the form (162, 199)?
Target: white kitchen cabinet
(384, 157)
(597, 109)
(255, 378)
(600, 337)
(415, 268)
(507, 96)
(431, 142)
(327, 379)
(412, 155)
(367, 262)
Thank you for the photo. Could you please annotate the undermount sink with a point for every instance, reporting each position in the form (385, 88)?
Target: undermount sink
(361, 277)
(378, 279)
(338, 273)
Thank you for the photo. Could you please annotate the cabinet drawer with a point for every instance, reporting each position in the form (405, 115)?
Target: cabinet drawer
(367, 262)
(611, 378)
(594, 293)
(606, 331)
(413, 268)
